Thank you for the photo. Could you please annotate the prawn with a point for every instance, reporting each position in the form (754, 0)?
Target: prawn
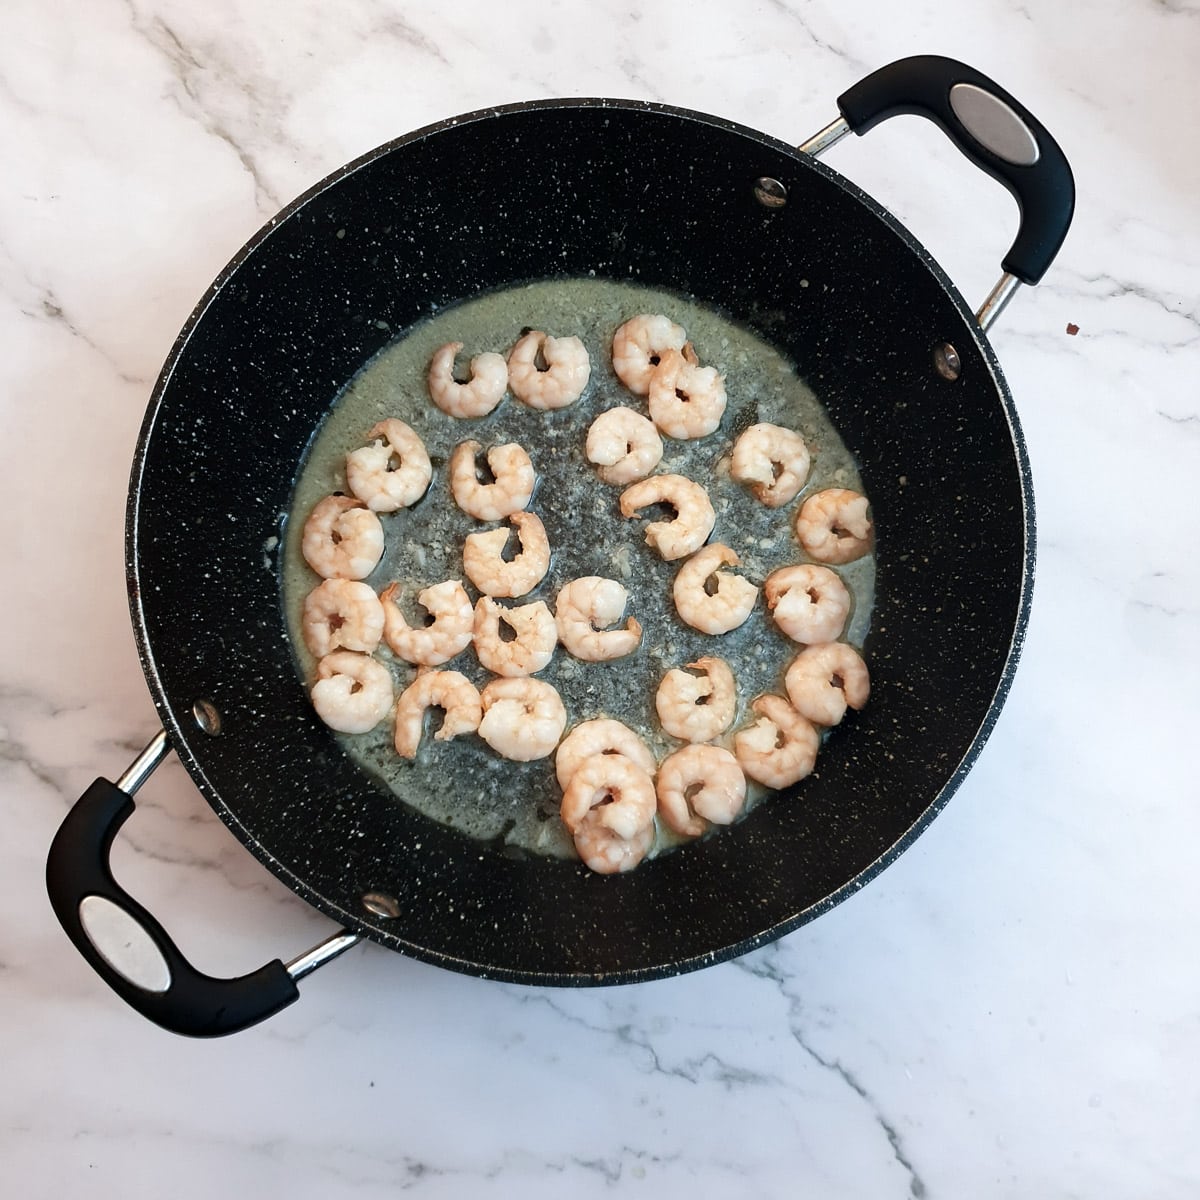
(479, 395)
(447, 690)
(492, 574)
(725, 608)
(638, 347)
(772, 461)
(393, 471)
(694, 516)
(511, 490)
(353, 692)
(522, 718)
(614, 791)
(602, 735)
(548, 372)
(686, 400)
(342, 539)
(605, 853)
(823, 680)
(697, 708)
(340, 614)
(584, 608)
(809, 603)
(780, 748)
(429, 645)
(698, 784)
(833, 525)
(529, 651)
(623, 445)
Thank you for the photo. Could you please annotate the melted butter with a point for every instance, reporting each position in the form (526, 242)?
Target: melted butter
(463, 783)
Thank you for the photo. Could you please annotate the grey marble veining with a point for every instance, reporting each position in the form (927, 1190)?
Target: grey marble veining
(1008, 1011)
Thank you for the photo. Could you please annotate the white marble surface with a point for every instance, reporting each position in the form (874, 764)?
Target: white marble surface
(1012, 1010)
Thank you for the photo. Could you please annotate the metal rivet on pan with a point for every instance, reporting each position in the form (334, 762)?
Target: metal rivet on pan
(770, 193)
(380, 904)
(947, 362)
(207, 717)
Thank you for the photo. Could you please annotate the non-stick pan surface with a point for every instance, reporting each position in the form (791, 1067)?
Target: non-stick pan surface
(627, 191)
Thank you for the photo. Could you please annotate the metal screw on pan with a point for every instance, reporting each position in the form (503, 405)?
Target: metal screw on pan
(947, 362)
(380, 904)
(208, 717)
(770, 193)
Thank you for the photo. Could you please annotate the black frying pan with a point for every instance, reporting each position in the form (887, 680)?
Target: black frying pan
(677, 200)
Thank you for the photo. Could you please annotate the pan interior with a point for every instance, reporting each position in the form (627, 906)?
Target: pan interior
(511, 804)
(628, 192)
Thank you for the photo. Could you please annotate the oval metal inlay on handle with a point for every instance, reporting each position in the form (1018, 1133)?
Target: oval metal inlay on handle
(124, 944)
(994, 125)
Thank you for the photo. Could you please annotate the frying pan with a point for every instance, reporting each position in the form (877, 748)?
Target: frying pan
(626, 190)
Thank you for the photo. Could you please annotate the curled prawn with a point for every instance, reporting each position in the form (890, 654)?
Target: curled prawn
(727, 606)
(638, 346)
(429, 645)
(583, 610)
(608, 853)
(694, 516)
(602, 735)
(548, 372)
(697, 707)
(780, 748)
(822, 681)
(342, 614)
(772, 461)
(623, 445)
(613, 788)
(393, 471)
(512, 486)
(522, 718)
(833, 525)
(447, 690)
(530, 649)
(353, 692)
(686, 400)
(809, 602)
(492, 574)
(699, 784)
(342, 539)
(479, 395)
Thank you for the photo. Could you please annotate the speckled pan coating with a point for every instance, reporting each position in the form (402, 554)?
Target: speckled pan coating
(628, 191)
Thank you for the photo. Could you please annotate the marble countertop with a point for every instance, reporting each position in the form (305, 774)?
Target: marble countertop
(1011, 1010)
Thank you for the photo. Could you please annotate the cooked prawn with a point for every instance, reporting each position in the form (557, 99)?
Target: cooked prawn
(605, 852)
(340, 614)
(511, 490)
(638, 347)
(583, 611)
(602, 735)
(492, 574)
(809, 603)
(393, 471)
(342, 539)
(615, 789)
(773, 461)
(686, 399)
(522, 718)
(694, 517)
(833, 525)
(548, 372)
(479, 395)
(429, 645)
(697, 708)
(353, 692)
(447, 690)
(823, 680)
(724, 609)
(529, 651)
(623, 445)
(780, 748)
(698, 784)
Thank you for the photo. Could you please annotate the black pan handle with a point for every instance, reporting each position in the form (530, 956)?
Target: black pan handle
(994, 130)
(129, 949)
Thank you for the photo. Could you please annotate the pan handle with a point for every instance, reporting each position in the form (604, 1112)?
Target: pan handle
(129, 949)
(994, 130)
